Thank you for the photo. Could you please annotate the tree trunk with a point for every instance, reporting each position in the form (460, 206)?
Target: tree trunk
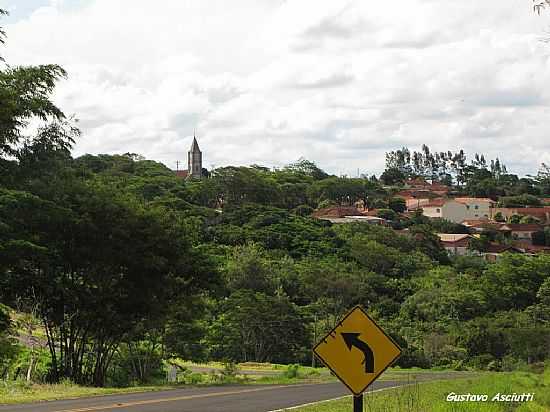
(29, 369)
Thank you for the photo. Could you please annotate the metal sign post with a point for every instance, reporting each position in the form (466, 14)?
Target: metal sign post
(358, 403)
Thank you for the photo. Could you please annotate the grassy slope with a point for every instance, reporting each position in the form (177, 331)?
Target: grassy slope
(21, 393)
(431, 396)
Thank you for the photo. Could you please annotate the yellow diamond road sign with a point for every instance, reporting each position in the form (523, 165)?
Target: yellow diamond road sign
(357, 350)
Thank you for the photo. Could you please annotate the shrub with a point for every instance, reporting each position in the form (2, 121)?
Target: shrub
(303, 210)
(292, 371)
(230, 370)
(387, 214)
(499, 217)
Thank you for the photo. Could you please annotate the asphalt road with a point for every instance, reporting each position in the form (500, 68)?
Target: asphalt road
(234, 398)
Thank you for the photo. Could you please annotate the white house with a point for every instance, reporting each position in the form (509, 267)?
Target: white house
(477, 207)
(457, 210)
(448, 209)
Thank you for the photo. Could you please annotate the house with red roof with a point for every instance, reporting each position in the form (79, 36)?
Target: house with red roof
(520, 231)
(455, 244)
(458, 209)
(542, 214)
(348, 214)
(422, 184)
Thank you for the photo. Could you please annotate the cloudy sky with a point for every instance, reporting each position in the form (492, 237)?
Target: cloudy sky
(270, 81)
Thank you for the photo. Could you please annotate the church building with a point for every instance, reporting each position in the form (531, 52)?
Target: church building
(194, 163)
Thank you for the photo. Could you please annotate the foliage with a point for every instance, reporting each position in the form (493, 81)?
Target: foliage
(254, 326)
(513, 282)
(123, 265)
(397, 204)
(9, 350)
(387, 214)
(519, 201)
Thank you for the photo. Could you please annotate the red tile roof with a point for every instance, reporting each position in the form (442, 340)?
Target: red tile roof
(417, 194)
(541, 213)
(473, 199)
(182, 173)
(435, 203)
(496, 248)
(338, 211)
(420, 182)
(476, 222)
(521, 227)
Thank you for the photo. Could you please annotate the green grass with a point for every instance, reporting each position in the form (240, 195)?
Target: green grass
(248, 366)
(21, 392)
(431, 396)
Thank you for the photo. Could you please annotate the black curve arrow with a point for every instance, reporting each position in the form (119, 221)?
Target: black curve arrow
(352, 339)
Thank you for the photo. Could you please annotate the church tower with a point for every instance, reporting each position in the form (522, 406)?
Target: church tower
(194, 160)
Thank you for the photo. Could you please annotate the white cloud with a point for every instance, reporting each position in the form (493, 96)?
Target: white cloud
(267, 81)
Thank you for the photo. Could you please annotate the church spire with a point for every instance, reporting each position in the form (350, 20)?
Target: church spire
(194, 146)
(194, 158)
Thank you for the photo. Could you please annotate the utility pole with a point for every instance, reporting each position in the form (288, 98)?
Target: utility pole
(177, 165)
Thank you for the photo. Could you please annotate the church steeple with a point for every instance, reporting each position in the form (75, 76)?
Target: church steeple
(194, 159)
(195, 146)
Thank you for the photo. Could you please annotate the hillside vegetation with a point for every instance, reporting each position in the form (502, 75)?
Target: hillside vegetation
(115, 266)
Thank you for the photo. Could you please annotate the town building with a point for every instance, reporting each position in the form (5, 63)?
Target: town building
(455, 244)
(542, 214)
(520, 231)
(194, 163)
(441, 208)
(455, 210)
(476, 207)
(348, 214)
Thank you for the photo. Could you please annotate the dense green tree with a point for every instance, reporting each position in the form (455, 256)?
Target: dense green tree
(540, 311)
(95, 266)
(342, 191)
(8, 345)
(249, 268)
(387, 214)
(393, 176)
(308, 168)
(519, 201)
(397, 204)
(512, 282)
(251, 326)
(445, 296)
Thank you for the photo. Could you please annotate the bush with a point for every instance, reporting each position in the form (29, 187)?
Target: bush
(325, 203)
(292, 371)
(413, 357)
(387, 214)
(230, 370)
(514, 219)
(397, 204)
(528, 219)
(227, 375)
(303, 210)
(499, 217)
(480, 361)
